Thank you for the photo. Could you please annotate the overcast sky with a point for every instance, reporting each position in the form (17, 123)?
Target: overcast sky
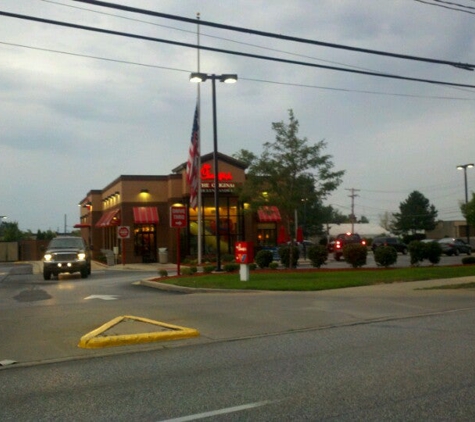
(78, 109)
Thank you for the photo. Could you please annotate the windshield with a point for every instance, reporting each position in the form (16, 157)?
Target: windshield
(60, 243)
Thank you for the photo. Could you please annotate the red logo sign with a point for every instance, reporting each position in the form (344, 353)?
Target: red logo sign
(178, 217)
(206, 174)
(244, 252)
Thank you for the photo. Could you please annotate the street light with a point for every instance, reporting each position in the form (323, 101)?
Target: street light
(464, 167)
(230, 79)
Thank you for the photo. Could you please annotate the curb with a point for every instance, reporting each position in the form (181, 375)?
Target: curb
(95, 339)
(187, 290)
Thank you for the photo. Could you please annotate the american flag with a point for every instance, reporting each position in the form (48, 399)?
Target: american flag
(192, 170)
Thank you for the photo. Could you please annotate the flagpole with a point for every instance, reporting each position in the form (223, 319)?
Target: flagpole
(200, 222)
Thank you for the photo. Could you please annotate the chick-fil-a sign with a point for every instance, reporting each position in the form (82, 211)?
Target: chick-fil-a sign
(244, 252)
(207, 174)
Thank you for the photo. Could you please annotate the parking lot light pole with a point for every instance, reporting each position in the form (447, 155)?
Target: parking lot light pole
(227, 78)
(464, 167)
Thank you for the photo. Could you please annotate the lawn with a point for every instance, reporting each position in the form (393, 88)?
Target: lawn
(317, 279)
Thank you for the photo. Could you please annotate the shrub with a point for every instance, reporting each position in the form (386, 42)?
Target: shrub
(274, 265)
(186, 271)
(263, 258)
(432, 252)
(231, 267)
(468, 260)
(284, 253)
(417, 252)
(163, 273)
(318, 255)
(385, 256)
(355, 254)
(252, 266)
(208, 269)
(228, 257)
(194, 269)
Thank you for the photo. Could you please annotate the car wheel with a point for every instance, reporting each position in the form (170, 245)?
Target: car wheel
(47, 275)
(456, 252)
(84, 272)
(337, 257)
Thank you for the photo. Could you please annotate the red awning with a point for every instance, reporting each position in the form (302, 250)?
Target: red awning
(82, 226)
(145, 215)
(269, 214)
(109, 219)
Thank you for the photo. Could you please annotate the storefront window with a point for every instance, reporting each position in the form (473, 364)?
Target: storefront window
(266, 234)
(230, 222)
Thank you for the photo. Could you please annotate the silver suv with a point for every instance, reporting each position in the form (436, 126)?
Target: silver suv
(66, 254)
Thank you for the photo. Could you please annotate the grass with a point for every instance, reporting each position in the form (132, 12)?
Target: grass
(318, 279)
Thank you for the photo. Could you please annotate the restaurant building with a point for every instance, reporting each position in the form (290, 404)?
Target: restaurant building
(130, 217)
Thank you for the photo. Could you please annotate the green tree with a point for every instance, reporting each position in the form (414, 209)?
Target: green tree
(10, 232)
(416, 213)
(287, 171)
(468, 210)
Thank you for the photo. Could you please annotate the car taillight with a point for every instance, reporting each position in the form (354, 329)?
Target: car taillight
(337, 244)
(363, 242)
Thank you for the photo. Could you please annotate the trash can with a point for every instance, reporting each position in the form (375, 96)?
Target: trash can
(163, 255)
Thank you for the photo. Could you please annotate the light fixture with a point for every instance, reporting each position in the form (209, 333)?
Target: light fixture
(226, 78)
(144, 191)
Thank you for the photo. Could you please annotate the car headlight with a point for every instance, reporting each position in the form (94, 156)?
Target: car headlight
(81, 256)
(48, 257)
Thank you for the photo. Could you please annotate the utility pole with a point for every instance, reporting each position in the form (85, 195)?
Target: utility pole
(352, 215)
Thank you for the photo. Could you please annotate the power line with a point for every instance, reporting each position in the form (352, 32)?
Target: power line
(356, 91)
(194, 46)
(465, 66)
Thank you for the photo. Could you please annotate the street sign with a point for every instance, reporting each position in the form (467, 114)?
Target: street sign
(178, 217)
(123, 232)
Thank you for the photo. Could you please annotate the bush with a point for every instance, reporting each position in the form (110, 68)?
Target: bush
(468, 260)
(163, 273)
(228, 258)
(284, 253)
(274, 265)
(385, 256)
(318, 255)
(208, 269)
(252, 266)
(264, 258)
(432, 252)
(355, 254)
(417, 252)
(231, 267)
(186, 271)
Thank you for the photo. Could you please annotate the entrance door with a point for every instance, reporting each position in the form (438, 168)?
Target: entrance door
(145, 244)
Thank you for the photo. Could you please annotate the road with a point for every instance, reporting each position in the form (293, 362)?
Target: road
(371, 353)
(411, 369)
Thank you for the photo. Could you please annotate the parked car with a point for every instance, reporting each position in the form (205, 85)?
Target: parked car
(394, 242)
(344, 239)
(452, 246)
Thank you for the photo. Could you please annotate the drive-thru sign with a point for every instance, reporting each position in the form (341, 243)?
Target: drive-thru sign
(178, 217)
(123, 232)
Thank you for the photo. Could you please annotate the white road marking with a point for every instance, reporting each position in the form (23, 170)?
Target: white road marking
(102, 297)
(219, 412)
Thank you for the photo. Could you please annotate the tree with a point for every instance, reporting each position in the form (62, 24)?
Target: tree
(10, 232)
(288, 171)
(416, 214)
(468, 210)
(386, 221)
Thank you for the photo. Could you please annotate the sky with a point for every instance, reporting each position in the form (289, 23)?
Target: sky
(80, 108)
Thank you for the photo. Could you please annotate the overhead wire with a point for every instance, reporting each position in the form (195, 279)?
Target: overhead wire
(202, 47)
(465, 66)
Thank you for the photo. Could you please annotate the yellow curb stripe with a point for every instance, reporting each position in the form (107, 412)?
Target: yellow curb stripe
(94, 339)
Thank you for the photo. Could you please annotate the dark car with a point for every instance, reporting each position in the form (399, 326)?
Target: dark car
(344, 239)
(66, 254)
(394, 242)
(452, 246)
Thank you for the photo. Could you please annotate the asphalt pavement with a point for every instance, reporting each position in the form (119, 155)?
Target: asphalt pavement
(224, 316)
